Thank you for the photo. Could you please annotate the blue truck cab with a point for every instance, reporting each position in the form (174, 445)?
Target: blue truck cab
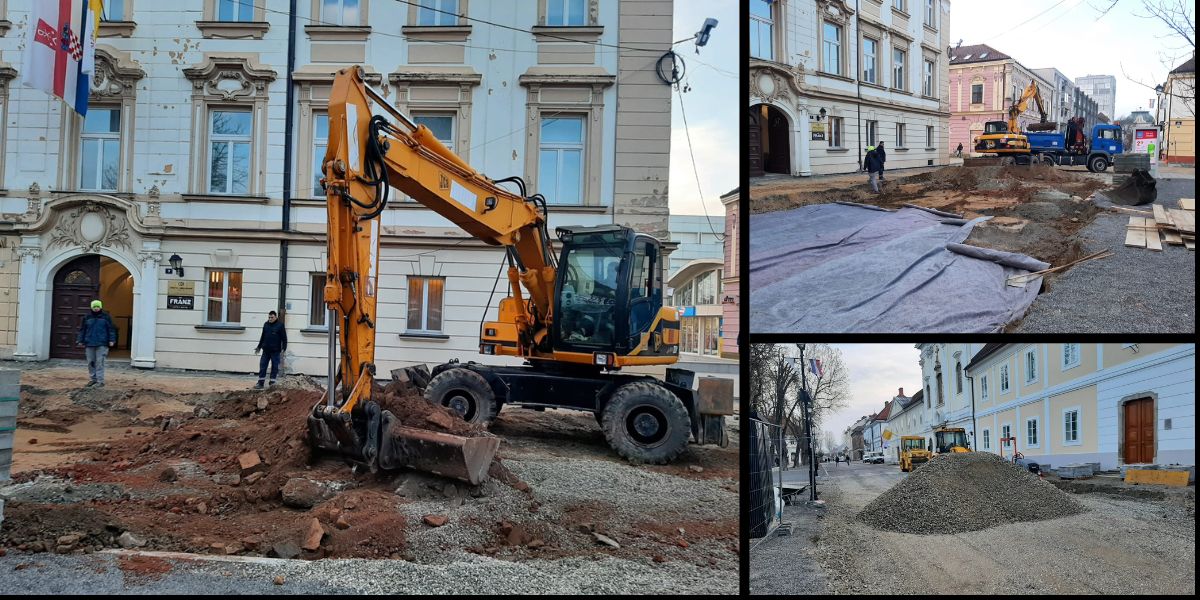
(1052, 147)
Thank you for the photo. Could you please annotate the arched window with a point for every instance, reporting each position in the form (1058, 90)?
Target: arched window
(958, 376)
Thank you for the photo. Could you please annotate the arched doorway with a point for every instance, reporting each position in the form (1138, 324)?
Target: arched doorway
(770, 140)
(76, 284)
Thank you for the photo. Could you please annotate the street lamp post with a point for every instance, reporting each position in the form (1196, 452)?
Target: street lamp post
(805, 401)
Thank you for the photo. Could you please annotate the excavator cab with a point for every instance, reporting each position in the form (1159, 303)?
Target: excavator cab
(609, 290)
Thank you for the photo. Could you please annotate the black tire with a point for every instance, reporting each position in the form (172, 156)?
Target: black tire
(1097, 164)
(646, 423)
(465, 392)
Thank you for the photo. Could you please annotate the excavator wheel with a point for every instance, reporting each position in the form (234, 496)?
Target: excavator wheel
(465, 392)
(646, 423)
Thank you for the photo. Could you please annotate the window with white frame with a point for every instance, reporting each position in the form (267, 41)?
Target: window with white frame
(899, 135)
(1070, 357)
(1031, 433)
(1071, 426)
(1031, 365)
(112, 10)
(983, 390)
(235, 10)
(900, 4)
(832, 46)
(870, 60)
(224, 297)
(872, 132)
(340, 12)
(100, 149)
(441, 125)
(229, 151)
(930, 14)
(898, 57)
(316, 301)
(439, 13)
(561, 159)
(987, 439)
(929, 136)
(976, 93)
(928, 78)
(835, 132)
(1003, 378)
(320, 142)
(425, 295)
(1005, 433)
(762, 26)
(566, 13)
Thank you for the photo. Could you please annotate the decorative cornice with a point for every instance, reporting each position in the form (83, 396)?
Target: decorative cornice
(770, 81)
(233, 30)
(114, 78)
(250, 80)
(70, 231)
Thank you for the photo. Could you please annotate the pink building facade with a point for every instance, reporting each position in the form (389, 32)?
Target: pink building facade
(983, 84)
(730, 288)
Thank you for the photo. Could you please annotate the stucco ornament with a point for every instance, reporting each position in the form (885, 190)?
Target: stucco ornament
(771, 82)
(90, 226)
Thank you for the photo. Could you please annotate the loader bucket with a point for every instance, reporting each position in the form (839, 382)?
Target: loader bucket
(463, 458)
(1041, 127)
(1138, 189)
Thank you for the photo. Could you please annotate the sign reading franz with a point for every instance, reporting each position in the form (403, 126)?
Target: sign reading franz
(181, 295)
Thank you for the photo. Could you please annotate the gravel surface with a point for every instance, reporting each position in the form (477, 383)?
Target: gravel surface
(103, 574)
(1134, 291)
(786, 565)
(954, 493)
(1115, 547)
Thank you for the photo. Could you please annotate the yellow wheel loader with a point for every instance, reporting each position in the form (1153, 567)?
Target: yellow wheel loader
(576, 317)
(950, 439)
(913, 452)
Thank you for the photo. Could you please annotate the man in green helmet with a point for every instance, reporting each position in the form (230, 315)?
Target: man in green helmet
(97, 334)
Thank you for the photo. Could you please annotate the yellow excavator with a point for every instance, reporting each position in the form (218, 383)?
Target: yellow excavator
(1004, 138)
(576, 318)
(950, 440)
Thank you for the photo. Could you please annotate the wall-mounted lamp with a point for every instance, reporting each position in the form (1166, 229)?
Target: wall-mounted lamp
(822, 113)
(176, 264)
(1158, 89)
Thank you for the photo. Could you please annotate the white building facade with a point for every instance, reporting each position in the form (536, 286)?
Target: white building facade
(183, 156)
(829, 78)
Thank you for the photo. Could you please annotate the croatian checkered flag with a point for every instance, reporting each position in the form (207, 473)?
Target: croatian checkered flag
(58, 51)
(815, 367)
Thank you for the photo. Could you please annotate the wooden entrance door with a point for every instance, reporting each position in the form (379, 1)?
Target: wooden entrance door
(754, 148)
(76, 284)
(1139, 431)
(779, 155)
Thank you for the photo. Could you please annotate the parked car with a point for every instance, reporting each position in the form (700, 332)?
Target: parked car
(873, 457)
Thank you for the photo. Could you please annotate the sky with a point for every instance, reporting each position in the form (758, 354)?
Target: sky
(876, 371)
(711, 105)
(1072, 37)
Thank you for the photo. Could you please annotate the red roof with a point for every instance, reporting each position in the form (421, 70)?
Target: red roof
(883, 414)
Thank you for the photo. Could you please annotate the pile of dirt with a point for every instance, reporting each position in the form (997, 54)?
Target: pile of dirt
(412, 410)
(954, 493)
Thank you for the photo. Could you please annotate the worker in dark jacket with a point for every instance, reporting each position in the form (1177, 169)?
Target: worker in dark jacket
(874, 166)
(882, 159)
(96, 334)
(272, 343)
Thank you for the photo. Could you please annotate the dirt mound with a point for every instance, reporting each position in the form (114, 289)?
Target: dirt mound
(412, 410)
(954, 493)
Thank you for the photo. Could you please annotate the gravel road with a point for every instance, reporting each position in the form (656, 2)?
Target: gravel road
(1116, 547)
(1134, 291)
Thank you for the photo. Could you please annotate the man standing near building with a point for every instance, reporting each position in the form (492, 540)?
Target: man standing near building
(271, 343)
(874, 166)
(882, 159)
(97, 334)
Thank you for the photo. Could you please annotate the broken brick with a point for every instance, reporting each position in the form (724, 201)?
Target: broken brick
(435, 520)
(312, 540)
(342, 523)
(682, 543)
(440, 418)
(250, 463)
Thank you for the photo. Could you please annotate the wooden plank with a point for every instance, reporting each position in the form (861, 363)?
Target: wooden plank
(1184, 221)
(1170, 478)
(1160, 216)
(1135, 235)
(1190, 243)
(1172, 237)
(1152, 240)
(1187, 203)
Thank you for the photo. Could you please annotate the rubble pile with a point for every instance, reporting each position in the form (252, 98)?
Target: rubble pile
(954, 493)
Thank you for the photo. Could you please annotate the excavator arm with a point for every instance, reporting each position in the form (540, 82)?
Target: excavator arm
(369, 155)
(1031, 93)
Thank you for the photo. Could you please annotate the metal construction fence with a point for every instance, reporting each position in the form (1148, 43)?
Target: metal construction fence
(766, 493)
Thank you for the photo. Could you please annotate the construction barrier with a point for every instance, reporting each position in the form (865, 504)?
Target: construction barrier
(766, 491)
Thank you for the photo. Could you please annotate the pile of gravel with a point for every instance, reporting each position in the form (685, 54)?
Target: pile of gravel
(969, 491)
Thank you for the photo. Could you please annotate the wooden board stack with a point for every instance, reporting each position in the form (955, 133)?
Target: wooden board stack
(1177, 226)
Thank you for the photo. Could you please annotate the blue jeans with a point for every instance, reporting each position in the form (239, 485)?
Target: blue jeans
(262, 365)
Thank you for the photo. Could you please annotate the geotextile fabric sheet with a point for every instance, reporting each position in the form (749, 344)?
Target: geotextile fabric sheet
(848, 268)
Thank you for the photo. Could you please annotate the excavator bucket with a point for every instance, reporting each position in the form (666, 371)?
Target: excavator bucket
(464, 458)
(1138, 189)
